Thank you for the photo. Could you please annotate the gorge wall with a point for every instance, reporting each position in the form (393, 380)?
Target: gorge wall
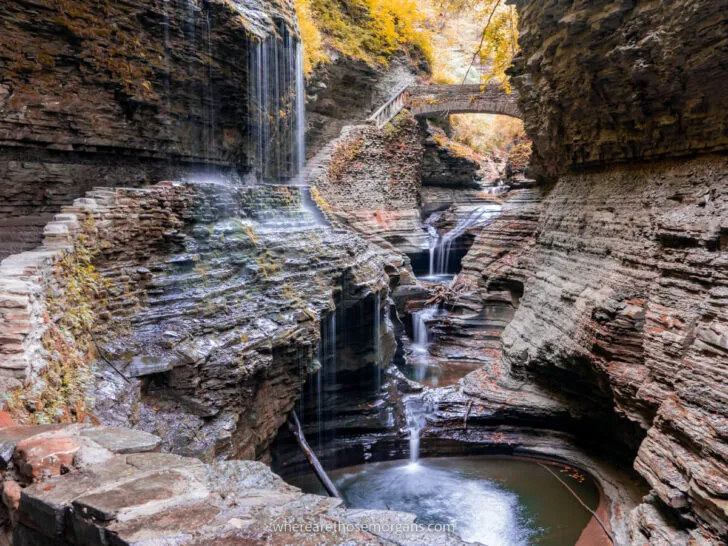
(623, 315)
(130, 93)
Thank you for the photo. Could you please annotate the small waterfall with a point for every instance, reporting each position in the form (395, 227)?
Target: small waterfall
(434, 238)
(419, 327)
(300, 110)
(416, 412)
(327, 374)
(378, 340)
(441, 246)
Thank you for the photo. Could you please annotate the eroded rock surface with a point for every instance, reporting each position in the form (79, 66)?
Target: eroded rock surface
(127, 94)
(209, 315)
(137, 496)
(622, 317)
(605, 82)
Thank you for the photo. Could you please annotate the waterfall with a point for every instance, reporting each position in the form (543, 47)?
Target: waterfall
(300, 109)
(276, 102)
(378, 340)
(434, 238)
(416, 412)
(327, 373)
(441, 246)
(419, 327)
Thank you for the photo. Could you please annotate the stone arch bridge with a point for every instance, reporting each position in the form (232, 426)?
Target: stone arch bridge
(437, 100)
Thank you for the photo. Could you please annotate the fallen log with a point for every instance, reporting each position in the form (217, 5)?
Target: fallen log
(296, 429)
(592, 512)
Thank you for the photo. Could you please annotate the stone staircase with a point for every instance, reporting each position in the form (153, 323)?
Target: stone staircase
(21, 288)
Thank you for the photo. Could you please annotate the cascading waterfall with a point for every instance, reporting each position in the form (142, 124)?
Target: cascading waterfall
(419, 327)
(441, 246)
(416, 411)
(276, 98)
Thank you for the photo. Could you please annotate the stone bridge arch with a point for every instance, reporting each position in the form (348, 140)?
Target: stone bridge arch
(438, 100)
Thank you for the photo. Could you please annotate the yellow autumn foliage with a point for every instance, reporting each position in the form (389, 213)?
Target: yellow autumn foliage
(313, 51)
(367, 30)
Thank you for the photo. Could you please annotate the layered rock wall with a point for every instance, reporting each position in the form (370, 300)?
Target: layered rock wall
(370, 178)
(129, 93)
(623, 317)
(603, 82)
(207, 316)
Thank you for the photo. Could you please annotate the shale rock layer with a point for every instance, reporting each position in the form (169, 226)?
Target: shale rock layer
(613, 81)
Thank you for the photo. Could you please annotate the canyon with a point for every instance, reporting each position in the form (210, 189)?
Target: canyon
(198, 242)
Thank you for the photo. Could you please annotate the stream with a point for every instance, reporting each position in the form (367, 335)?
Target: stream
(493, 500)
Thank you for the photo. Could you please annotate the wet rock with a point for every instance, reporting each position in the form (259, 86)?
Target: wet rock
(218, 343)
(41, 456)
(164, 79)
(163, 498)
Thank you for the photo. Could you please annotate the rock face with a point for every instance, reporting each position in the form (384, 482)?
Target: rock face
(122, 492)
(210, 308)
(130, 93)
(604, 81)
(344, 92)
(623, 315)
(447, 163)
(370, 179)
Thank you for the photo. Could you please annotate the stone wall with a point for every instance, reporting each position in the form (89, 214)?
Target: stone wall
(370, 179)
(622, 320)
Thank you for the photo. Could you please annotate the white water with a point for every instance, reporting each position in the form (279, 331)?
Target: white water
(277, 102)
(300, 110)
(416, 411)
(378, 339)
(441, 246)
(327, 357)
(419, 327)
(434, 238)
(480, 509)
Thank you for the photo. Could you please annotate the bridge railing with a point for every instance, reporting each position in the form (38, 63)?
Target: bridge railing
(435, 100)
(391, 108)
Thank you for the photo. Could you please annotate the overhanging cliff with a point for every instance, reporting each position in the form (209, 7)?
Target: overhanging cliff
(625, 310)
